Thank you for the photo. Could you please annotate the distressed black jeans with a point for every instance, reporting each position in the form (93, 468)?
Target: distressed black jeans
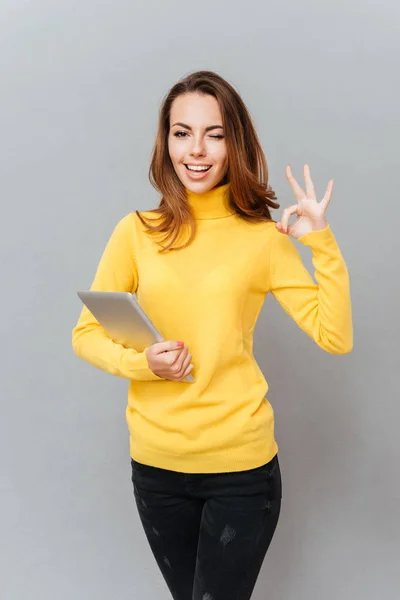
(209, 532)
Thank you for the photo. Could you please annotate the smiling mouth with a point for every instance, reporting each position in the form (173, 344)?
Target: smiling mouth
(198, 168)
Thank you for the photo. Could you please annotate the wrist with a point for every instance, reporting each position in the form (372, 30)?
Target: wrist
(319, 225)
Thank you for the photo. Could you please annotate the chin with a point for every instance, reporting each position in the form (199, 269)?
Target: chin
(201, 186)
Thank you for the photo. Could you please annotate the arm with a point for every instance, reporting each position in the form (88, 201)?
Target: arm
(116, 271)
(322, 310)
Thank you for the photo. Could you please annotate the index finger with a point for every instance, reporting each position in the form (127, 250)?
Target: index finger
(167, 346)
(298, 191)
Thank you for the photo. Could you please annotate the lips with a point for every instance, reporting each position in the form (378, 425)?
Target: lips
(202, 170)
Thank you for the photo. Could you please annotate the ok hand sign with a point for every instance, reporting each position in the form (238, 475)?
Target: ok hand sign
(310, 213)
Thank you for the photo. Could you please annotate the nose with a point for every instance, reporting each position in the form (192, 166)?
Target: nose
(198, 147)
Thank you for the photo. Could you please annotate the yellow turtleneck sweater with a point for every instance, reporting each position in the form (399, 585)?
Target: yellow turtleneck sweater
(209, 295)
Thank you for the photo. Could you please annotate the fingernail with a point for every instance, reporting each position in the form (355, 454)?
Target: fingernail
(180, 343)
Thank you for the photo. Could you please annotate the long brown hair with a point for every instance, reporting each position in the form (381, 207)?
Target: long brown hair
(249, 193)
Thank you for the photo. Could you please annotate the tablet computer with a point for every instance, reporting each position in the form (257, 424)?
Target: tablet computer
(124, 320)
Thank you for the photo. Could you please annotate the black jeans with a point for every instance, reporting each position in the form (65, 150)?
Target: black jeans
(209, 532)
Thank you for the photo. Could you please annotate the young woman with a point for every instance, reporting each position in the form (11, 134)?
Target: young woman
(205, 469)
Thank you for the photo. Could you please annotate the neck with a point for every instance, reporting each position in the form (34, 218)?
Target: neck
(213, 204)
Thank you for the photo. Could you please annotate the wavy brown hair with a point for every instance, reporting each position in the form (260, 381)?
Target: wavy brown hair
(249, 193)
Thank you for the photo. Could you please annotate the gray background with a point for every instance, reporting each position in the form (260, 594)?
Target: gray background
(81, 84)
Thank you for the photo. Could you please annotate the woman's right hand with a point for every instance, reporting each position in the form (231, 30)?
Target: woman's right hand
(169, 360)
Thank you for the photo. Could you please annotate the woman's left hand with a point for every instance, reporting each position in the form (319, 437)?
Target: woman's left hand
(310, 213)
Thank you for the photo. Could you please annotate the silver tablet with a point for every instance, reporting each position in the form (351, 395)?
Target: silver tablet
(123, 319)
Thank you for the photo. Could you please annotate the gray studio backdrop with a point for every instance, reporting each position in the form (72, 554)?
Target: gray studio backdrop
(81, 84)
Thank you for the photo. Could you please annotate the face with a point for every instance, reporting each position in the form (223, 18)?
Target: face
(196, 140)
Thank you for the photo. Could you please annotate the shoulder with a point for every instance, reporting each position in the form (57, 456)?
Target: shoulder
(267, 233)
(123, 224)
(132, 219)
(136, 231)
(282, 249)
(130, 233)
(257, 228)
(147, 215)
(275, 237)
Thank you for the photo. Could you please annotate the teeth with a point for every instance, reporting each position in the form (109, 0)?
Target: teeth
(197, 168)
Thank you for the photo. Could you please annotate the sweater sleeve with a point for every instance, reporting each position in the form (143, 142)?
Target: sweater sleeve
(322, 310)
(116, 272)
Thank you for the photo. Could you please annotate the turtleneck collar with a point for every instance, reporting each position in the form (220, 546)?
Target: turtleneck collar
(212, 204)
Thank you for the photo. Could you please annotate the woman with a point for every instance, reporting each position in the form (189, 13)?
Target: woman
(205, 469)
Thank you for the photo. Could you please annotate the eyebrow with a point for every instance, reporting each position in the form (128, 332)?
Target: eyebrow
(190, 129)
